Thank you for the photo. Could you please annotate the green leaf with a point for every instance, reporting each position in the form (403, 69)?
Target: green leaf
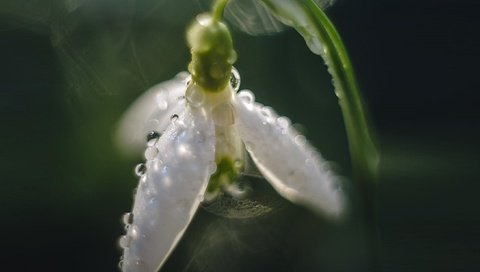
(323, 39)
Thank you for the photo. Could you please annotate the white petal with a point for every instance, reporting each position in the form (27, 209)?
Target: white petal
(151, 111)
(285, 158)
(171, 190)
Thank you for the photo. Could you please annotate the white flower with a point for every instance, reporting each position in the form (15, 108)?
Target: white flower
(198, 130)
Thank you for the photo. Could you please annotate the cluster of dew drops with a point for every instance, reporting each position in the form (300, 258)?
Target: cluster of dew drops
(152, 151)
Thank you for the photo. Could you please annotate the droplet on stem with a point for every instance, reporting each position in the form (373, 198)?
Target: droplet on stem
(235, 80)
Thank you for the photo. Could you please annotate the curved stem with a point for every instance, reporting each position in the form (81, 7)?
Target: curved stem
(323, 39)
(217, 9)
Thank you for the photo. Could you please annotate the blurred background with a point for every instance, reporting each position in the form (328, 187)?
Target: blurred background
(69, 69)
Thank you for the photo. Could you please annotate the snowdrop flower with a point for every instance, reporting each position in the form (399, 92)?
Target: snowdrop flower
(203, 131)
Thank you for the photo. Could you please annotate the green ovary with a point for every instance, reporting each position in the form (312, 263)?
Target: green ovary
(212, 51)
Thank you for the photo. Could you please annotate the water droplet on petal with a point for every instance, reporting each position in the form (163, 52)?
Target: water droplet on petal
(152, 138)
(127, 218)
(174, 118)
(194, 96)
(140, 169)
(300, 140)
(125, 241)
(151, 152)
(246, 96)
(235, 80)
(268, 113)
(134, 232)
(283, 122)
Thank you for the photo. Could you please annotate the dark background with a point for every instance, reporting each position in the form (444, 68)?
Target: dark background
(67, 74)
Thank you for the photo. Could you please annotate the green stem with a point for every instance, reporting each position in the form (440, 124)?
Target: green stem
(217, 10)
(323, 39)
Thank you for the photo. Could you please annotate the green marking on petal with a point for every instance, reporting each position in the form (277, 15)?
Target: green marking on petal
(223, 176)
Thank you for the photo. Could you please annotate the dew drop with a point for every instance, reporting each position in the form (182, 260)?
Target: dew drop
(300, 140)
(125, 241)
(246, 96)
(152, 138)
(140, 169)
(194, 96)
(283, 122)
(174, 118)
(268, 113)
(134, 232)
(150, 153)
(127, 218)
(235, 80)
